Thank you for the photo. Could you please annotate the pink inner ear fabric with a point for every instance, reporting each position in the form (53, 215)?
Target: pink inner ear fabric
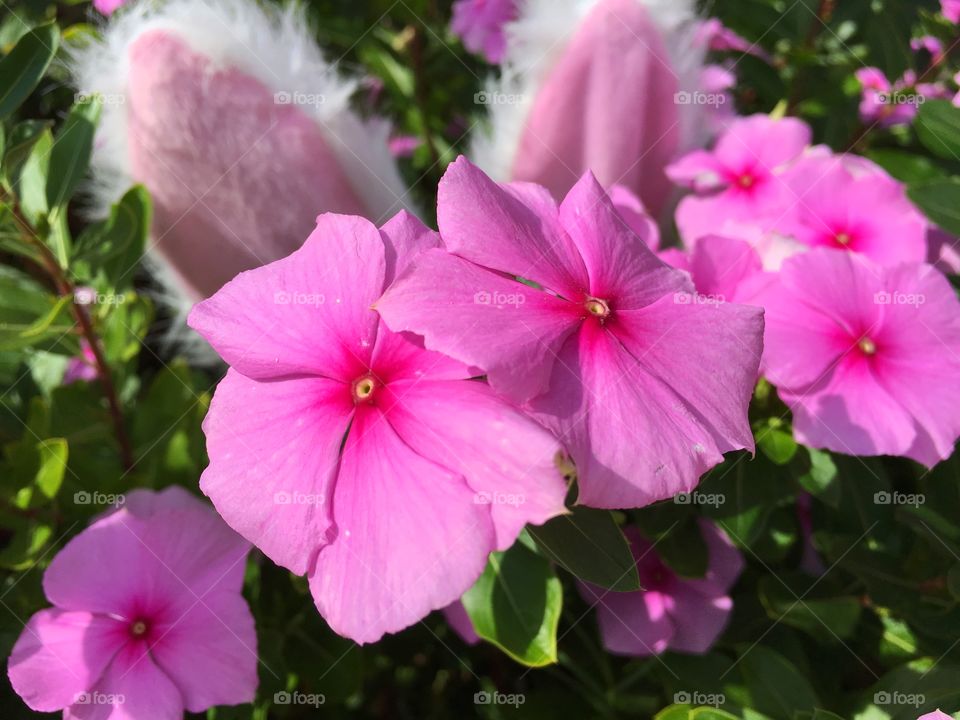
(237, 178)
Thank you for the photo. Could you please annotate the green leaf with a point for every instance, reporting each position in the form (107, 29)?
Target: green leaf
(938, 127)
(22, 68)
(774, 442)
(116, 245)
(70, 155)
(30, 316)
(589, 544)
(20, 142)
(821, 480)
(828, 619)
(49, 461)
(905, 166)
(32, 181)
(940, 201)
(776, 686)
(516, 605)
(685, 712)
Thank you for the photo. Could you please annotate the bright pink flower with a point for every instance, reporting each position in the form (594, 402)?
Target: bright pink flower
(670, 613)
(951, 10)
(480, 23)
(866, 356)
(599, 85)
(635, 215)
(108, 7)
(148, 619)
(938, 714)
(404, 145)
(720, 267)
(646, 386)
(740, 179)
(349, 453)
(459, 620)
(888, 104)
(83, 367)
(855, 208)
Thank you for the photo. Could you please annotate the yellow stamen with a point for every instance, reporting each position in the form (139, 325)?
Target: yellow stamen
(867, 346)
(596, 307)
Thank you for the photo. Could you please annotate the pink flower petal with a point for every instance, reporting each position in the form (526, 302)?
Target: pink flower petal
(60, 655)
(409, 540)
(481, 318)
(507, 460)
(308, 313)
(503, 230)
(210, 652)
(273, 450)
(405, 237)
(457, 618)
(635, 624)
(720, 266)
(698, 619)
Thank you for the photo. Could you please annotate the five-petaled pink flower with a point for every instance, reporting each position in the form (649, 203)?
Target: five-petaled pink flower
(147, 618)
(646, 386)
(670, 613)
(866, 356)
(741, 178)
(350, 453)
(951, 10)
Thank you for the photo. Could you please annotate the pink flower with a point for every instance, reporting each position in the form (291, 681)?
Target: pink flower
(459, 620)
(81, 368)
(646, 386)
(714, 35)
(670, 613)
(866, 356)
(599, 85)
(479, 23)
(147, 617)
(888, 104)
(108, 7)
(404, 145)
(951, 10)
(193, 74)
(853, 207)
(635, 215)
(740, 179)
(938, 714)
(349, 453)
(720, 267)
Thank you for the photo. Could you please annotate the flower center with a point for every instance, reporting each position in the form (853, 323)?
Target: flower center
(363, 389)
(867, 346)
(138, 628)
(597, 307)
(842, 239)
(746, 181)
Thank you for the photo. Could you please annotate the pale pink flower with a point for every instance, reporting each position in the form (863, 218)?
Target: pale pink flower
(82, 367)
(459, 620)
(887, 104)
(714, 35)
(646, 386)
(147, 618)
(246, 82)
(866, 356)
(671, 612)
(599, 85)
(720, 267)
(938, 714)
(108, 7)
(480, 23)
(349, 453)
(740, 180)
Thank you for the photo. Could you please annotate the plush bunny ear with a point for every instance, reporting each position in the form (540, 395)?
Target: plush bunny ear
(601, 85)
(240, 129)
